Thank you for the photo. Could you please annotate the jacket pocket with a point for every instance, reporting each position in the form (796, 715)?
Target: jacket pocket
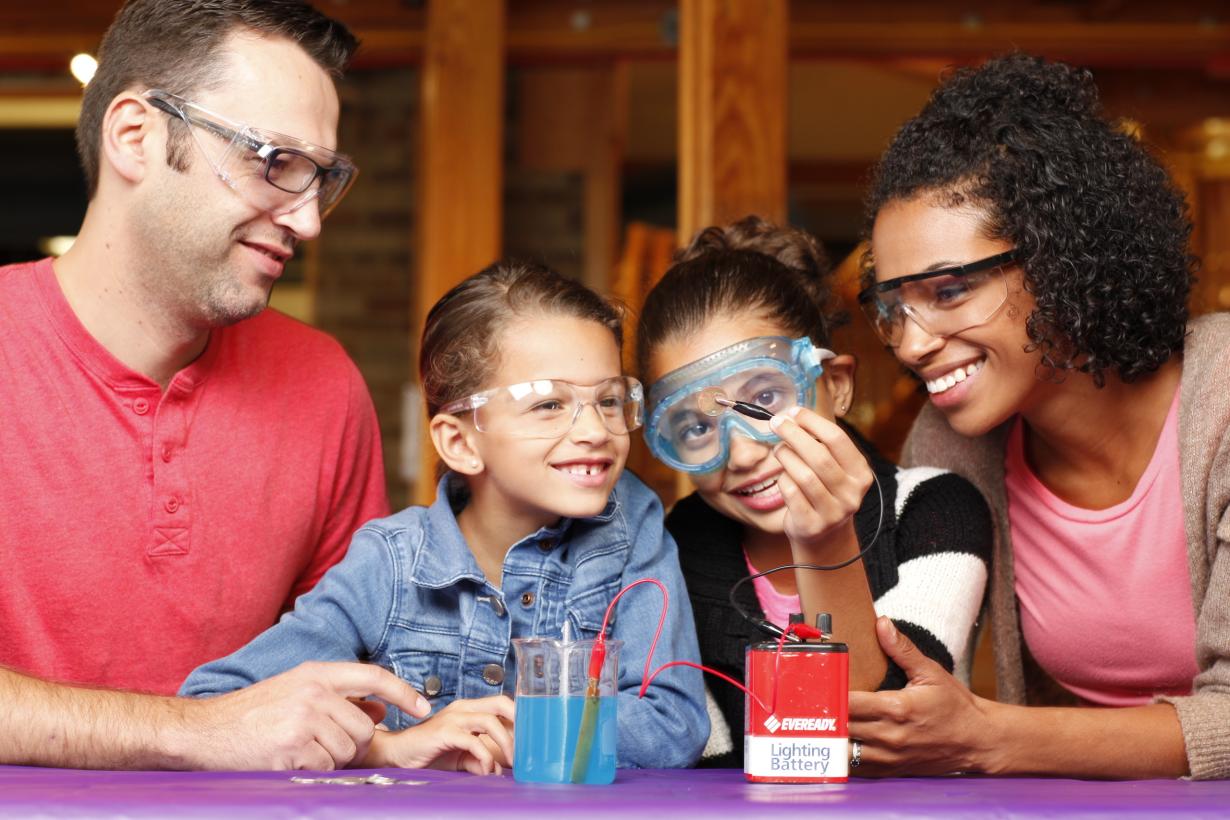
(434, 674)
(586, 610)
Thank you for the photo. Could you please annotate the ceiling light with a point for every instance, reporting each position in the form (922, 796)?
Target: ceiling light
(83, 67)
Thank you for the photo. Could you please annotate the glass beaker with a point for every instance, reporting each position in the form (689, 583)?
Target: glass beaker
(562, 734)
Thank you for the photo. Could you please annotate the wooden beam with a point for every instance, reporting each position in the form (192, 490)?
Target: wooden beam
(732, 111)
(573, 119)
(462, 173)
(1189, 33)
(732, 115)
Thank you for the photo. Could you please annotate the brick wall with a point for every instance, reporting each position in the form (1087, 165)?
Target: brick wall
(366, 254)
(366, 250)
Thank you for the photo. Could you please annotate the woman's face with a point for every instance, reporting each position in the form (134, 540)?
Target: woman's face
(745, 488)
(980, 376)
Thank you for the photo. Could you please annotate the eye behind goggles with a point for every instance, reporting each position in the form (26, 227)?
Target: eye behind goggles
(689, 432)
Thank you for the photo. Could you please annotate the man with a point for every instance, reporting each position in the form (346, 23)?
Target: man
(177, 465)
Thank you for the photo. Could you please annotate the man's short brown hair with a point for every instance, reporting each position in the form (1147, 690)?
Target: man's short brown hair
(175, 45)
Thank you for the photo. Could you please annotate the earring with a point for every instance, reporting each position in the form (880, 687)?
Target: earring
(474, 463)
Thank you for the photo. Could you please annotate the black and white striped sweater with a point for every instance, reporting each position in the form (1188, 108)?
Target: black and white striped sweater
(927, 572)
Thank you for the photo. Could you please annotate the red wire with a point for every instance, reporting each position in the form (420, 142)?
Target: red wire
(647, 676)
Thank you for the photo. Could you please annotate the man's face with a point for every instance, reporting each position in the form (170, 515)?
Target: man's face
(211, 256)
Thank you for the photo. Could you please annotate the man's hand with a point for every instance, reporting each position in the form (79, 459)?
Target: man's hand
(301, 719)
(935, 725)
(467, 735)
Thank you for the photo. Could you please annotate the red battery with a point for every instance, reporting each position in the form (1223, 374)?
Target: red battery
(802, 735)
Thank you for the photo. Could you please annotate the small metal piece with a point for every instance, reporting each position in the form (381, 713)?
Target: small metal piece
(432, 686)
(527, 599)
(494, 602)
(824, 623)
(493, 673)
(359, 780)
(710, 401)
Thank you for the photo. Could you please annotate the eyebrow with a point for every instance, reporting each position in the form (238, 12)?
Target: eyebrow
(941, 265)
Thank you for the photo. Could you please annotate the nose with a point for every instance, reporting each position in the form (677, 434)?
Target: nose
(303, 222)
(587, 425)
(916, 343)
(745, 453)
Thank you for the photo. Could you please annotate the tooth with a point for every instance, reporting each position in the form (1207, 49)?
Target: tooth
(959, 374)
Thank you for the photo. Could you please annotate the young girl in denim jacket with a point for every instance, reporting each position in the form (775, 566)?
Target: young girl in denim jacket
(535, 526)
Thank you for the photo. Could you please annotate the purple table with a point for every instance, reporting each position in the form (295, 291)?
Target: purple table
(634, 796)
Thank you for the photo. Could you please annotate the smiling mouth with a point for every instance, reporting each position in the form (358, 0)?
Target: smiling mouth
(759, 488)
(277, 256)
(952, 378)
(583, 469)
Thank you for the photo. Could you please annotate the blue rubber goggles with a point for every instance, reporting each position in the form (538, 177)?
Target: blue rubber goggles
(690, 431)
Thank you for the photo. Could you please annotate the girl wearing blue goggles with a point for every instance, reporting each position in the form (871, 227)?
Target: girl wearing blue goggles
(691, 425)
(744, 399)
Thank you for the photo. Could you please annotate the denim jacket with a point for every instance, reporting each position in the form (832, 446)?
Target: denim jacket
(409, 596)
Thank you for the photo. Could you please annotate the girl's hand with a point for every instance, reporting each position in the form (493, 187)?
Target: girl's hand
(933, 726)
(467, 735)
(825, 478)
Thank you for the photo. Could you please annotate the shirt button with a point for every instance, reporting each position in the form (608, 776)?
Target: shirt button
(493, 673)
(167, 452)
(140, 407)
(546, 545)
(432, 686)
(172, 504)
(527, 599)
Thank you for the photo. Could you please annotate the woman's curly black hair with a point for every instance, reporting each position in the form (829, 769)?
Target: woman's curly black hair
(1101, 229)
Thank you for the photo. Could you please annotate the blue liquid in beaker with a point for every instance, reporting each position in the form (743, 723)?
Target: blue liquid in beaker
(546, 739)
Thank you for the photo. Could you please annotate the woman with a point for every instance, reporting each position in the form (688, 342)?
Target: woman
(1029, 263)
(743, 316)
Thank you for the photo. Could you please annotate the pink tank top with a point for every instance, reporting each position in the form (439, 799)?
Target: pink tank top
(1105, 596)
(777, 606)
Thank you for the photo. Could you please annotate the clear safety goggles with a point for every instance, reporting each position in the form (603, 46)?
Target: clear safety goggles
(690, 431)
(942, 302)
(274, 172)
(548, 408)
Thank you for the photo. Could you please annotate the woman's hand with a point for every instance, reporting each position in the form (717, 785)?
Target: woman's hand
(825, 478)
(467, 735)
(933, 726)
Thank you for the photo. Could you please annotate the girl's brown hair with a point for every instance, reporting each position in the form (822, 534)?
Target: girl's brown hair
(750, 265)
(459, 352)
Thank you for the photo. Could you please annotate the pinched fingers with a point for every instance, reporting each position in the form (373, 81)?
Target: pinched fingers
(813, 489)
(809, 425)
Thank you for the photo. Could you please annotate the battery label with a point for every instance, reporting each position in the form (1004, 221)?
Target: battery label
(795, 756)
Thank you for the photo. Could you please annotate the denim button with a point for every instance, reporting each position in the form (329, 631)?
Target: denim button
(493, 673)
(498, 606)
(140, 407)
(527, 599)
(546, 545)
(432, 686)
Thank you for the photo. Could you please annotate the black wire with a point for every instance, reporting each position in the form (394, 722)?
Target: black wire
(772, 628)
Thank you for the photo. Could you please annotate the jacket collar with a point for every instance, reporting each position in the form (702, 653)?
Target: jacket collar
(444, 558)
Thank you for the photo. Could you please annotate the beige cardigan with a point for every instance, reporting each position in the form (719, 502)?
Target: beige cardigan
(1204, 457)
